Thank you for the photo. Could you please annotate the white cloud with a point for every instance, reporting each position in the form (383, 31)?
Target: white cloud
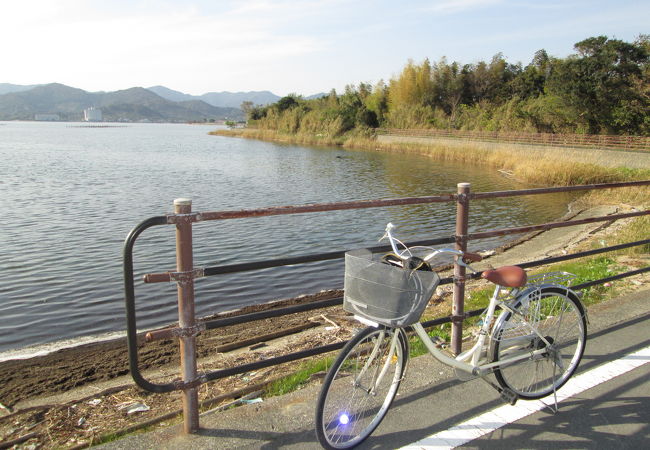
(142, 43)
(282, 45)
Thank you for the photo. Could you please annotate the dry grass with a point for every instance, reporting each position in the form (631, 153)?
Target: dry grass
(638, 196)
(275, 136)
(548, 166)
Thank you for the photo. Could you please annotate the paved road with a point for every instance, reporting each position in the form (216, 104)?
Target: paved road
(614, 414)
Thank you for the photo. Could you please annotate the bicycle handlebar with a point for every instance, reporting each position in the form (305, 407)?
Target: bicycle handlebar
(394, 242)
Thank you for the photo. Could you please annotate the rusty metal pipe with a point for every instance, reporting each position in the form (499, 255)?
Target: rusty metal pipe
(584, 187)
(186, 317)
(551, 225)
(159, 335)
(322, 207)
(164, 277)
(458, 306)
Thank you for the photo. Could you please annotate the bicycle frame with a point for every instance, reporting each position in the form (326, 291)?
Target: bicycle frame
(509, 343)
(386, 365)
(470, 361)
(473, 361)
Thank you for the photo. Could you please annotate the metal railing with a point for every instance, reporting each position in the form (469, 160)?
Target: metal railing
(639, 143)
(189, 328)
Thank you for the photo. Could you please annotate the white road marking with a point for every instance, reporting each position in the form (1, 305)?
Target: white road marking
(499, 417)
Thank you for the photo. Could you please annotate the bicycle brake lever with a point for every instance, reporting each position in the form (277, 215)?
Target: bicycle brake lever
(389, 226)
(462, 263)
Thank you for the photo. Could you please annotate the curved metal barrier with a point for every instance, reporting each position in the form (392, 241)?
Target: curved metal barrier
(186, 273)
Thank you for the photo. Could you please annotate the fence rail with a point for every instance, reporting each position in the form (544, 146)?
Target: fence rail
(185, 274)
(639, 143)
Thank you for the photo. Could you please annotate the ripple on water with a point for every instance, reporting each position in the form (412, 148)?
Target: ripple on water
(76, 193)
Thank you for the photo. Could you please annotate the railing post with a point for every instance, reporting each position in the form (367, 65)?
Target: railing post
(457, 311)
(186, 319)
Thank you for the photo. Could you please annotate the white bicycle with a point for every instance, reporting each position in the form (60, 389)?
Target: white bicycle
(532, 346)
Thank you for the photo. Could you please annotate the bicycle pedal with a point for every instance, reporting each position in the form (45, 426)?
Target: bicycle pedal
(438, 342)
(508, 396)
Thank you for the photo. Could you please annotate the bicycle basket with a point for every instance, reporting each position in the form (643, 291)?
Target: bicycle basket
(383, 293)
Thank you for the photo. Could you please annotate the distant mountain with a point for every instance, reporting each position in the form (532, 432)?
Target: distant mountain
(170, 94)
(6, 88)
(235, 99)
(132, 105)
(219, 99)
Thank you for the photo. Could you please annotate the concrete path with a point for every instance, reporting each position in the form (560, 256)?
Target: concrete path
(554, 242)
(614, 414)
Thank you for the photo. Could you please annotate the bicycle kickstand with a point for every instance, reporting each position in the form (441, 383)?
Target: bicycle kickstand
(507, 395)
(554, 408)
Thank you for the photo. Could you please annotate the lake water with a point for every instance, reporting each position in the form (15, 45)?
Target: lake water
(71, 193)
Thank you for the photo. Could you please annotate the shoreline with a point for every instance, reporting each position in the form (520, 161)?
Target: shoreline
(550, 166)
(92, 381)
(116, 337)
(49, 347)
(119, 337)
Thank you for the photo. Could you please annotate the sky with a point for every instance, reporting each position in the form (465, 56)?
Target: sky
(285, 46)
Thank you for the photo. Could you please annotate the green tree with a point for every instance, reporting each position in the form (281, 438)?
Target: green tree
(531, 81)
(288, 102)
(377, 101)
(413, 86)
(488, 82)
(602, 83)
(448, 88)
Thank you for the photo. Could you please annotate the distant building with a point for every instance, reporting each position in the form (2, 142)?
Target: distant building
(47, 117)
(92, 114)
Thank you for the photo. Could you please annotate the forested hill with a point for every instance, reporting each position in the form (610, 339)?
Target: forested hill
(130, 105)
(603, 88)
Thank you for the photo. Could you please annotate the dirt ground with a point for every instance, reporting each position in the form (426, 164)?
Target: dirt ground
(61, 401)
(75, 397)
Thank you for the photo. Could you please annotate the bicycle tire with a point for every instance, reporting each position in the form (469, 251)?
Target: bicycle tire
(348, 410)
(559, 316)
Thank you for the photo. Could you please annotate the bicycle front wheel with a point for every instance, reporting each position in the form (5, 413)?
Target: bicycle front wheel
(360, 387)
(559, 319)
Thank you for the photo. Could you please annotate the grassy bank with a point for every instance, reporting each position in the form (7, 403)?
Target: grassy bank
(553, 167)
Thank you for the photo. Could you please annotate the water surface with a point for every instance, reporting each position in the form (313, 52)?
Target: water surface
(70, 195)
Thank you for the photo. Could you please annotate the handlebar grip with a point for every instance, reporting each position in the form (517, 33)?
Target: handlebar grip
(472, 257)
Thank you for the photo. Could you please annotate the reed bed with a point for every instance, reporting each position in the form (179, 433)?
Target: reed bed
(546, 166)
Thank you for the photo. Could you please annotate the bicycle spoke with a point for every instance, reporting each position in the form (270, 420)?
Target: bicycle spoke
(558, 325)
(360, 387)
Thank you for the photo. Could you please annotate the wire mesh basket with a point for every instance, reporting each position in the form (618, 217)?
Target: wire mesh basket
(383, 293)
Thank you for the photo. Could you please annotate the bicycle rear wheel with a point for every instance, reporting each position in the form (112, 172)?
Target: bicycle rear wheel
(360, 387)
(559, 317)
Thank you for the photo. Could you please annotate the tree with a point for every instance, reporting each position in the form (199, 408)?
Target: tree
(288, 102)
(602, 83)
(530, 82)
(246, 106)
(413, 86)
(377, 101)
(448, 87)
(491, 81)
